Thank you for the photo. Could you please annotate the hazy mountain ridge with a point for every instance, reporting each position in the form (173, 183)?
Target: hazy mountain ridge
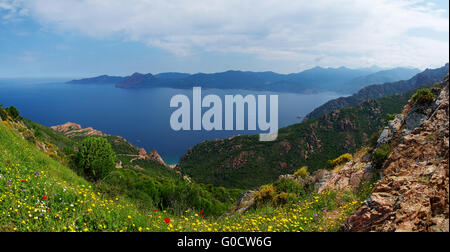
(313, 80)
(380, 77)
(103, 79)
(429, 76)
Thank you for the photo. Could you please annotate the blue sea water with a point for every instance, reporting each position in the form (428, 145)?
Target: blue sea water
(140, 116)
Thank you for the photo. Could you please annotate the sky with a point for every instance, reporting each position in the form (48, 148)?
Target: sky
(81, 38)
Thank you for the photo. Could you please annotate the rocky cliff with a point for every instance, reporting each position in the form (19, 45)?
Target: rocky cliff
(413, 193)
(70, 129)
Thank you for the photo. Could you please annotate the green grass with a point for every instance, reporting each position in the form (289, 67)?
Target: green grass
(73, 204)
(39, 194)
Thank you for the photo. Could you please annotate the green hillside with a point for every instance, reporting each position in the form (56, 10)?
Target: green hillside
(146, 182)
(245, 162)
(40, 194)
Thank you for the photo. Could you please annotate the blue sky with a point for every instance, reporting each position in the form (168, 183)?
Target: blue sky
(78, 38)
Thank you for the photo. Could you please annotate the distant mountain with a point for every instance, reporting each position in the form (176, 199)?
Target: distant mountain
(103, 79)
(171, 76)
(137, 80)
(327, 79)
(427, 77)
(313, 80)
(380, 78)
(231, 80)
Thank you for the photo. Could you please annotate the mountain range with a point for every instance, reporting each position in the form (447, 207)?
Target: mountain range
(317, 79)
(427, 77)
(330, 131)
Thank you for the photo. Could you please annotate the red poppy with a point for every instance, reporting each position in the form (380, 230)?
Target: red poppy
(166, 220)
(44, 197)
(201, 211)
(23, 180)
(202, 215)
(8, 161)
(155, 211)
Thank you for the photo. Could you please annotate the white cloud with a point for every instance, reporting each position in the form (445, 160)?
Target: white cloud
(319, 32)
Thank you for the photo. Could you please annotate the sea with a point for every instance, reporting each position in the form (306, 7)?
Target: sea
(142, 116)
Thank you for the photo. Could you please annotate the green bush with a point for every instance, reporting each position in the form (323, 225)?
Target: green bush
(288, 186)
(283, 198)
(3, 114)
(423, 96)
(13, 112)
(390, 117)
(380, 155)
(373, 139)
(95, 159)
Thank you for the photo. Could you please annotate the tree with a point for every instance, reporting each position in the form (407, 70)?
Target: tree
(13, 112)
(96, 158)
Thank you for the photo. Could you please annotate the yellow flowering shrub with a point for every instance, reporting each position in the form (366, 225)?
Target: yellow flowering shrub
(344, 158)
(301, 173)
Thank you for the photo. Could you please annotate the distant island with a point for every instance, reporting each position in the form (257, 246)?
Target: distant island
(313, 80)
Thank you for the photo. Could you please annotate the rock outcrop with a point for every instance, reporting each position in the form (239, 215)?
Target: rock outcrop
(349, 177)
(152, 155)
(413, 194)
(70, 129)
(245, 202)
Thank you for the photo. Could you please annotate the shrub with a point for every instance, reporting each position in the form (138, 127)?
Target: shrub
(283, 198)
(265, 193)
(95, 159)
(288, 186)
(344, 158)
(390, 117)
(3, 114)
(380, 155)
(373, 140)
(302, 172)
(13, 112)
(330, 164)
(423, 96)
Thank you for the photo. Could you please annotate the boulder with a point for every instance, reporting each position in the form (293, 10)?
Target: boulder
(245, 202)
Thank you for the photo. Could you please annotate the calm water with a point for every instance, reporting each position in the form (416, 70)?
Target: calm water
(140, 116)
